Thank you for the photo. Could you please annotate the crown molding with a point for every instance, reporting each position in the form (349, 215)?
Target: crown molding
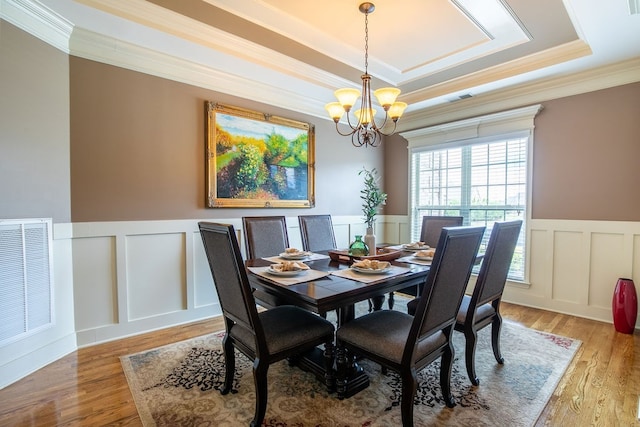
(534, 92)
(97, 47)
(39, 21)
(546, 58)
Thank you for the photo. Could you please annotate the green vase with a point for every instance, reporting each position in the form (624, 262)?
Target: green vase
(358, 247)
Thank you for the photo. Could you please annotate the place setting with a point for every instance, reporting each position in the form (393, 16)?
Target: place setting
(288, 272)
(295, 254)
(420, 257)
(370, 270)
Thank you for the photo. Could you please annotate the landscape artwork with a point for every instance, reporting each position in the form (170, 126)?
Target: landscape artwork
(257, 160)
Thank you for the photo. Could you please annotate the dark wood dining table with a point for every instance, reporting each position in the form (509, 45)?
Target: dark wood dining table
(335, 293)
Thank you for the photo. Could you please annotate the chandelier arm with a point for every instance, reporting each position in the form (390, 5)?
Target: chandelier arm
(353, 131)
(395, 124)
(353, 128)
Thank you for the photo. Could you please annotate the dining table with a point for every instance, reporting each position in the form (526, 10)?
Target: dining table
(334, 285)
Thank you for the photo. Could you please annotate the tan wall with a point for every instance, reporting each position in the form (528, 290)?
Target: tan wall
(34, 128)
(585, 158)
(138, 144)
(586, 154)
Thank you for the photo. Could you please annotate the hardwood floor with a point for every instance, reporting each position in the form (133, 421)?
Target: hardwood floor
(88, 387)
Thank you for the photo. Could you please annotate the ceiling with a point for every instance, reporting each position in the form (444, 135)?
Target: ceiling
(297, 52)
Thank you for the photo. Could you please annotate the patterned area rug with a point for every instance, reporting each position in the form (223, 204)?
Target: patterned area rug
(178, 385)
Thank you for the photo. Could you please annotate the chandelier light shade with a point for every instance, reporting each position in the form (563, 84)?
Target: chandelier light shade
(366, 132)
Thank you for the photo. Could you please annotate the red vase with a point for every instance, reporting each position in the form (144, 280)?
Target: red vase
(625, 306)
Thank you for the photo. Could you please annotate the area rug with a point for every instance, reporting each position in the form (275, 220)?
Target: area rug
(178, 385)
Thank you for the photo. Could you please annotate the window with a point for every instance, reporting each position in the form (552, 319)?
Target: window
(483, 183)
(477, 169)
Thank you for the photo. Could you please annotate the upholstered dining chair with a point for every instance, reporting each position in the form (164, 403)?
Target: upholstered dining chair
(433, 225)
(406, 343)
(317, 232)
(264, 235)
(482, 307)
(430, 234)
(266, 337)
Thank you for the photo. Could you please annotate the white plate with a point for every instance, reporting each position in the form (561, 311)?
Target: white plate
(286, 273)
(370, 271)
(299, 255)
(415, 248)
(423, 258)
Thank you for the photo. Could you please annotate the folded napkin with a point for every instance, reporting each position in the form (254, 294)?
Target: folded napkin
(295, 251)
(426, 253)
(415, 245)
(372, 264)
(289, 266)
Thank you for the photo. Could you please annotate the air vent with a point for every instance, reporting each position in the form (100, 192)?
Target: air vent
(460, 97)
(25, 275)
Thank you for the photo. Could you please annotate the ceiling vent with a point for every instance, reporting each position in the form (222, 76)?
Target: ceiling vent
(460, 97)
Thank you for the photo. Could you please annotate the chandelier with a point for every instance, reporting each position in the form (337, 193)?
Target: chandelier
(366, 132)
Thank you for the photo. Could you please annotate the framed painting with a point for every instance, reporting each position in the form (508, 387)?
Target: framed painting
(256, 160)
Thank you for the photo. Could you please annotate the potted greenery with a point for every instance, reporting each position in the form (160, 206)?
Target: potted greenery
(372, 198)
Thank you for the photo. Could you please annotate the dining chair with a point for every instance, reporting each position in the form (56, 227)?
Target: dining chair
(264, 337)
(405, 343)
(264, 235)
(482, 307)
(317, 232)
(433, 225)
(430, 234)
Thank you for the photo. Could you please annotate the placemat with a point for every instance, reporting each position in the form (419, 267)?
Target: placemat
(303, 277)
(368, 278)
(312, 257)
(411, 259)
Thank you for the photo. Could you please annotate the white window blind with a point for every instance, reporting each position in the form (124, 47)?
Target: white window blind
(484, 183)
(476, 168)
(25, 277)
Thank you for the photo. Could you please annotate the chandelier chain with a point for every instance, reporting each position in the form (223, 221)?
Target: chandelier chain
(366, 43)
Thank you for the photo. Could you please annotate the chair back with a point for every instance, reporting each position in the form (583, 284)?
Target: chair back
(264, 235)
(496, 263)
(317, 232)
(445, 285)
(433, 225)
(229, 275)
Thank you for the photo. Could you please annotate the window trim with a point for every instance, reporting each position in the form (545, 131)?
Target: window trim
(475, 130)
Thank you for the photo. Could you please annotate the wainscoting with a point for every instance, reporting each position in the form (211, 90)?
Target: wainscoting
(133, 277)
(130, 277)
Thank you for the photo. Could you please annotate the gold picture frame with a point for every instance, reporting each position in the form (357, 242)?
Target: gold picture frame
(256, 160)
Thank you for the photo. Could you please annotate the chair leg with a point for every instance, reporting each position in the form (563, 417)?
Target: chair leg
(329, 376)
(471, 336)
(391, 301)
(260, 381)
(409, 386)
(446, 365)
(496, 326)
(229, 364)
(342, 371)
